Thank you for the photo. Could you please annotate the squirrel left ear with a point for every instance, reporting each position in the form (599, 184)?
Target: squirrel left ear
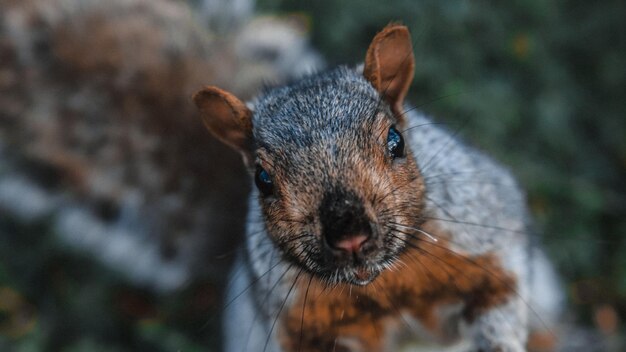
(389, 65)
(227, 118)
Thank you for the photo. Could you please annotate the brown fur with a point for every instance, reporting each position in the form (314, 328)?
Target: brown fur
(226, 117)
(389, 64)
(431, 277)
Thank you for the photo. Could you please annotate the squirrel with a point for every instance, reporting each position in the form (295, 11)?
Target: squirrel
(371, 228)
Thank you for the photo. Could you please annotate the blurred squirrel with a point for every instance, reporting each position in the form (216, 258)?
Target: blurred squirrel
(97, 136)
(370, 227)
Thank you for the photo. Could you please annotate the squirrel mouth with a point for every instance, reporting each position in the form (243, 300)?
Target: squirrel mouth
(363, 275)
(356, 264)
(356, 271)
(359, 275)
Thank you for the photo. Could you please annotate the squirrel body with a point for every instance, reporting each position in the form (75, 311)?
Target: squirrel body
(371, 227)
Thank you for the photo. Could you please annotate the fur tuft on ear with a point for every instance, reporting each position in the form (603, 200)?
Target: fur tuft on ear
(389, 65)
(227, 118)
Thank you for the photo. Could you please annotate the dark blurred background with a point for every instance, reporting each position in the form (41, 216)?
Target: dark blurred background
(119, 213)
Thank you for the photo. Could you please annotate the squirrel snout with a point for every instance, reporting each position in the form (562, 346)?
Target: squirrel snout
(345, 226)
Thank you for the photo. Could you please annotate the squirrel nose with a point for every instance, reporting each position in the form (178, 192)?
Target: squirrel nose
(350, 244)
(344, 224)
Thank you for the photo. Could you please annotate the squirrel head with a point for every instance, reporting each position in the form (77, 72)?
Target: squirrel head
(335, 178)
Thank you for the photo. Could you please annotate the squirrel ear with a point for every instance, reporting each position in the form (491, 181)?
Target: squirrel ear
(227, 118)
(389, 65)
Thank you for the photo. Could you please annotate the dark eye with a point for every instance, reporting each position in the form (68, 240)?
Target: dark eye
(395, 143)
(263, 181)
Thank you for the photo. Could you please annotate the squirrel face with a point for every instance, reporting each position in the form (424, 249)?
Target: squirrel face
(332, 171)
(330, 163)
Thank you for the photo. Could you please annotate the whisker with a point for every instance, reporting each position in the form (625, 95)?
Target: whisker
(249, 286)
(424, 167)
(265, 299)
(233, 276)
(393, 306)
(430, 102)
(395, 189)
(420, 125)
(306, 295)
(432, 238)
(269, 335)
(446, 174)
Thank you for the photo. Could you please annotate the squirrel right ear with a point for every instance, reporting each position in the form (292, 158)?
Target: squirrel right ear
(389, 65)
(227, 118)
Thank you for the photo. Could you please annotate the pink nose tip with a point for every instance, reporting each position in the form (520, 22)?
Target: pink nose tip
(351, 244)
